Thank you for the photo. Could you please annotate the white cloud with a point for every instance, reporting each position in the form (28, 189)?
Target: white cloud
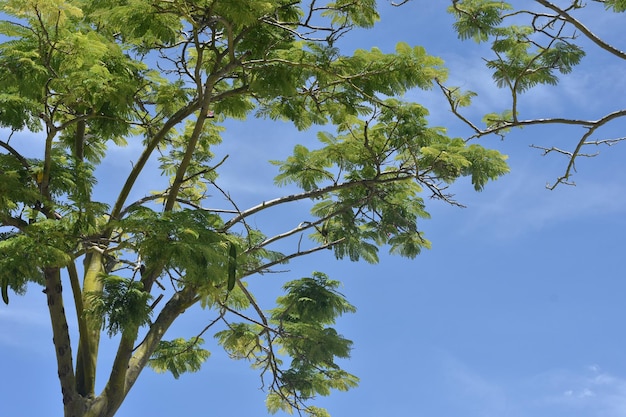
(590, 392)
(476, 394)
(518, 203)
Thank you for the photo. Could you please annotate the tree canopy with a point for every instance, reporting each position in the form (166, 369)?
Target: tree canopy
(87, 77)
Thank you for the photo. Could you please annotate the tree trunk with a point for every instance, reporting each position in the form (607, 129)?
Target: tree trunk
(72, 402)
(86, 360)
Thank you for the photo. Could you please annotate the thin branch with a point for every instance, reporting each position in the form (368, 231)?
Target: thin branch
(15, 153)
(554, 149)
(292, 256)
(571, 165)
(300, 228)
(454, 105)
(608, 142)
(263, 324)
(578, 25)
(311, 194)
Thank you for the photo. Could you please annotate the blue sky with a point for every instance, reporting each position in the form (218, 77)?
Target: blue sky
(516, 311)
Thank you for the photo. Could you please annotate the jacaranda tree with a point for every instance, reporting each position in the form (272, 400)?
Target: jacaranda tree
(88, 76)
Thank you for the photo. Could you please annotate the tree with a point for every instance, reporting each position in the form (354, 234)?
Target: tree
(165, 75)
(532, 44)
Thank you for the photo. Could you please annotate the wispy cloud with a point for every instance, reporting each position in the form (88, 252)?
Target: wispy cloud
(474, 393)
(519, 203)
(590, 392)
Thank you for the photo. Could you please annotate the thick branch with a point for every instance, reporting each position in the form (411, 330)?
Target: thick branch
(176, 118)
(131, 367)
(61, 338)
(189, 152)
(15, 153)
(83, 332)
(89, 340)
(13, 222)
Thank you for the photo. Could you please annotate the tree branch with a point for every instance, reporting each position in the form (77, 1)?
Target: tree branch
(578, 25)
(15, 153)
(177, 305)
(292, 256)
(176, 118)
(312, 194)
(582, 142)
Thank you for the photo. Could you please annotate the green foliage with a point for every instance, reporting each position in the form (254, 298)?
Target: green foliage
(615, 5)
(44, 244)
(302, 315)
(122, 304)
(368, 75)
(242, 340)
(139, 23)
(459, 98)
(496, 121)
(346, 13)
(311, 300)
(520, 66)
(179, 356)
(300, 331)
(18, 184)
(186, 240)
(524, 56)
(89, 77)
(199, 171)
(477, 19)
(379, 168)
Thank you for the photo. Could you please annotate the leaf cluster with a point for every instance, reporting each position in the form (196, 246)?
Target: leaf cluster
(303, 316)
(376, 170)
(525, 56)
(44, 244)
(186, 241)
(615, 5)
(300, 332)
(521, 62)
(179, 356)
(122, 304)
(335, 86)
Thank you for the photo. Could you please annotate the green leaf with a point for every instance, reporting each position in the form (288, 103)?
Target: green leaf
(275, 403)
(477, 19)
(122, 304)
(615, 5)
(311, 300)
(179, 356)
(241, 340)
